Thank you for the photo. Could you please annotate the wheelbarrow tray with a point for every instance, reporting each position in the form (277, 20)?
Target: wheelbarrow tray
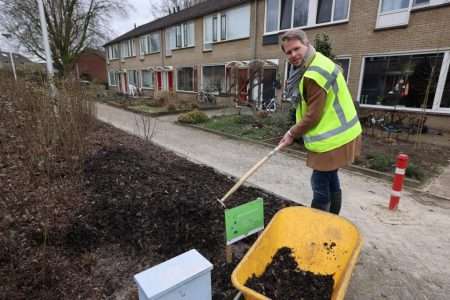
(322, 243)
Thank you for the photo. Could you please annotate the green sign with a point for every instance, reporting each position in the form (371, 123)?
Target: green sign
(244, 220)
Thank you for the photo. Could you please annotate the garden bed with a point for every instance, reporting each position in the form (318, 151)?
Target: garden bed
(154, 107)
(134, 205)
(378, 153)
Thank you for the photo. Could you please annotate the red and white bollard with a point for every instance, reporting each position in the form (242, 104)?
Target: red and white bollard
(399, 178)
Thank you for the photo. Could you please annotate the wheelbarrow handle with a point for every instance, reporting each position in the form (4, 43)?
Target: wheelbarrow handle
(248, 174)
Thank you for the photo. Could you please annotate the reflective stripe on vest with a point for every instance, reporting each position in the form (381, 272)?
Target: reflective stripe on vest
(345, 125)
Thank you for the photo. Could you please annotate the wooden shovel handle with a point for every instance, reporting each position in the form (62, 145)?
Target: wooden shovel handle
(248, 174)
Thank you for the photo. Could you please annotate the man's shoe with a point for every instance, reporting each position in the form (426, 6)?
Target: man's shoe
(336, 203)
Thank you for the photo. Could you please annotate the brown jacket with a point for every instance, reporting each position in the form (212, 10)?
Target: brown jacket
(331, 160)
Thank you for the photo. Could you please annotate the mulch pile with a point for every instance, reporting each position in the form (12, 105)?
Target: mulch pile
(132, 206)
(283, 279)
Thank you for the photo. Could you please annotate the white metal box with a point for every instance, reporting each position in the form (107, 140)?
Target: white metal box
(185, 277)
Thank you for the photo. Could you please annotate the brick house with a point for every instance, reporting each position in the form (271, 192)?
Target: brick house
(395, 53)
(91, 65)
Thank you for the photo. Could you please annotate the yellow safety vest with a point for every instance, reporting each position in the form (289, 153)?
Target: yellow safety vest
(339, 123)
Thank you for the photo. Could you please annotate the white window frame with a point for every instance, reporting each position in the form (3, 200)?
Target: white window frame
(142, 79)
(129, 44)
(113, 72)
(111, 48)
(149, 43)
(394, 11)
(193, 79)
(218, 31)
(137, 73)
(184, 28)
(349, 57)
(430, 4)
(312, 16)
(203, 75)
(439, 88)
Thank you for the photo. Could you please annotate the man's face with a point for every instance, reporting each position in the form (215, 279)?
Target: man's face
(295, 51)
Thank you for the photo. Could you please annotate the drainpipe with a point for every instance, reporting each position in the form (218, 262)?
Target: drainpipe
(255, 27)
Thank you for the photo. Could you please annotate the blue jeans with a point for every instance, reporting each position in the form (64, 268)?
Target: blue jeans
(326, 186)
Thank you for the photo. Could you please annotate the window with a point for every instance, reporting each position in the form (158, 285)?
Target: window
(214, 28)
(114, 51)
(155, 42)
(301, 13)
(401, 80)
(340, 10)
(421, 2)
(214, 79)
(147, 79)
(272, 15)
(128, 48)
(150, 43)
(344, 63)
(185, 79)
(223, 27)
(390, 5)
(445, 102)
(325, 10)
(143, 45)
(112, 78)
(228, 25)
(181, 36)
(287, 14)
(178, 36)
(133, 78)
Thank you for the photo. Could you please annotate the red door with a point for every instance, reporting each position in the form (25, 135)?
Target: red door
(170, 78)
(159, 80)
(243, 82)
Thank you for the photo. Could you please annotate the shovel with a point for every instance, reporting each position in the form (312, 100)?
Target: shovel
(248, 174)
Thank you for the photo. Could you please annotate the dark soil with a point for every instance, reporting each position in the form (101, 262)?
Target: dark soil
(134, 205)
(283, 279)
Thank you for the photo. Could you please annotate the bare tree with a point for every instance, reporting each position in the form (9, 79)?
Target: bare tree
(167, 7)
(73, 25)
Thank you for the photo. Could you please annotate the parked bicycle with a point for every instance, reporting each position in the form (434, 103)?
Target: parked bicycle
(270, 105)
(205, 97)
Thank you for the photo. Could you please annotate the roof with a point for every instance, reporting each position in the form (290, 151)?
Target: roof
(18, 58)
(196, 11)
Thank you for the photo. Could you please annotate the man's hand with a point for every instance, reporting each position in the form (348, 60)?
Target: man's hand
(287, 139)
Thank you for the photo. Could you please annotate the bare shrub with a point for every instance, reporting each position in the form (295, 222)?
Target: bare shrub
(171, 107)
(52, 129)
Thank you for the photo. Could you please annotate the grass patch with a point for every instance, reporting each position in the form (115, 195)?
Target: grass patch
(193, 117)
(148, 109)
(249, 126)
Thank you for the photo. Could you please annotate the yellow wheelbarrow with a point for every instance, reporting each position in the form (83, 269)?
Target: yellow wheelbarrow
(322, 243)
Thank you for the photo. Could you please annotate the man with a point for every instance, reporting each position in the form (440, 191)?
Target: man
(326, 118)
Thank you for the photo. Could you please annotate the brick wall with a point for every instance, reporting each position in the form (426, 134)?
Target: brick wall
(93, 65)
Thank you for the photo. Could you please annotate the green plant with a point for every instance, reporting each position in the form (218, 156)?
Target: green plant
(381, 162)
(193, 117)
(323, 45)
(415, 171)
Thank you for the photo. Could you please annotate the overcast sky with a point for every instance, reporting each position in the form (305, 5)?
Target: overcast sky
(139, 13)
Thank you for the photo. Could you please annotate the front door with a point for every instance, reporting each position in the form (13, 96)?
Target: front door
(243, 85)
(170, 79)
(269, 83)
(159, 81)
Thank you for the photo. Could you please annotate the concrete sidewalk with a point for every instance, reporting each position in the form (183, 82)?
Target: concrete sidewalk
(405, 253)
